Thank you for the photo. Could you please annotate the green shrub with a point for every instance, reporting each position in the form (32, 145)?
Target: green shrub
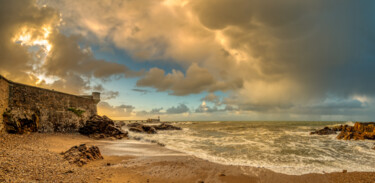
(77, 112)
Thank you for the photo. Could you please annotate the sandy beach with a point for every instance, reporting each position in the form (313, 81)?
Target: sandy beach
(36, 158)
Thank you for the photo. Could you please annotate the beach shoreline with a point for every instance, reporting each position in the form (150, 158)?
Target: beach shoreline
(36, 158)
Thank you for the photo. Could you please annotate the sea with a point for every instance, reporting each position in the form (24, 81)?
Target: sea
(284, 147)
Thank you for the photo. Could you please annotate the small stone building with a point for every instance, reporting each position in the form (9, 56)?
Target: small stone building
(42, 109)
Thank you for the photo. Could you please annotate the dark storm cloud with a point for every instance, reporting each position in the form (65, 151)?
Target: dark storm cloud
(269, 56)
(15, 61)
(71, 66)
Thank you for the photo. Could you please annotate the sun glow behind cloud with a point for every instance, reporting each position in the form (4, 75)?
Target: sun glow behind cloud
(30, 37)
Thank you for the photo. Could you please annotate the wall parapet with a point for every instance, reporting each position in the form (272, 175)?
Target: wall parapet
(53, 108)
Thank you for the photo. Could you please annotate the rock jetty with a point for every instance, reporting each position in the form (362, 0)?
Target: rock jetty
(360, 131)
(81, 155)
(102, 127)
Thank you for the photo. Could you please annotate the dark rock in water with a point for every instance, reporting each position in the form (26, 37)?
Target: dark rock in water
(360, 131)
(102, 127)
(339, 128)
(149, 129)
(139, 128)
(21, 122)
(324, 131)
(121, 124)
(165, 126)
(81, 155)
(134, 125)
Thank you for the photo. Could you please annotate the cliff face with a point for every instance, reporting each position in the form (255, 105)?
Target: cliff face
(23, 106)
(4, 95)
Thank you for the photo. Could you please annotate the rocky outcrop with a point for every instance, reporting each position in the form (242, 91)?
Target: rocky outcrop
(360, 131)
(20, 122)
(81, 155)
(324, 131)
(165, 126)
(102, 127)
(140, 128)
(137, 127)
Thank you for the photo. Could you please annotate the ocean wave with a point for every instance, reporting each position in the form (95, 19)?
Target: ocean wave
(286, 149)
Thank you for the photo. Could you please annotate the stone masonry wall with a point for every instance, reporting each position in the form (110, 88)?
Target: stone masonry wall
(56, 111)
(4, 95)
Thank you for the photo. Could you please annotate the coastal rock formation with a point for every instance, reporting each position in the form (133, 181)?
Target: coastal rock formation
(137, 127)
(102, 127)
(360, 131)
(20, 122)
(81, 155)
(165, 126)
(140, 128)
(324, 131)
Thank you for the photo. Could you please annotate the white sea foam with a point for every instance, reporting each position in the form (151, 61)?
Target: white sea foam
(282, 147)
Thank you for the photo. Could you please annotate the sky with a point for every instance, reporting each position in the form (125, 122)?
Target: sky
(195, 60)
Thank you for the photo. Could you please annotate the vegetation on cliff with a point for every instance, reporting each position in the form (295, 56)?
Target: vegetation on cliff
(77, 112)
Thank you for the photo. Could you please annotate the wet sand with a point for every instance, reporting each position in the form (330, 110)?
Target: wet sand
(36, 158)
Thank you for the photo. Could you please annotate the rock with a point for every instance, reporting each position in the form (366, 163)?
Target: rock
(139, 128)
(149, 129)
(121, 124)
(69, 171)
(102, 127)
(165, 126)
(324, 131)
(20, 122)
(81, 155)
(221, 175)
(344, 171)
(360, 131)
(134, 125)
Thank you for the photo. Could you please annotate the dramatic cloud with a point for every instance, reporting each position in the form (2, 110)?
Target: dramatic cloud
(59, 62)
(270, 56)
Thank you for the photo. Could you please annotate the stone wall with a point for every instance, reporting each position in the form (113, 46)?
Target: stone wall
(50, 110)
(4, 95)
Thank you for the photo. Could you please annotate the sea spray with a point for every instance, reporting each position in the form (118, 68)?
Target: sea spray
(284, 147)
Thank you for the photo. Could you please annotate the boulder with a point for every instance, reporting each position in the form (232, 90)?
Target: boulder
(102, 127)
(81, 155)
(165, 126)
(360, 131)
(324, 131)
